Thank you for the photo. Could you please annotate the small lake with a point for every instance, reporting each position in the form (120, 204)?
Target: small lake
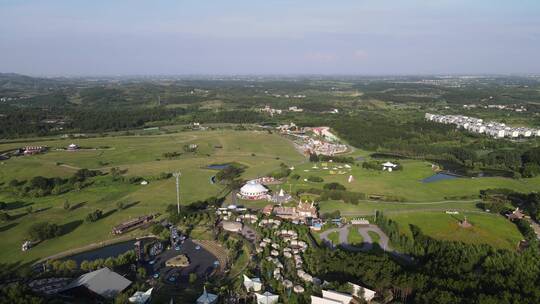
(218, 166)
(107, 251)
(439, 177)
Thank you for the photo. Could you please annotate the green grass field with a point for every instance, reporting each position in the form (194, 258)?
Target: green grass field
(365, 208)
(487, 228)
(407, 183)
(334, 237)
(375, 237)
(354, 237)
(141, 156)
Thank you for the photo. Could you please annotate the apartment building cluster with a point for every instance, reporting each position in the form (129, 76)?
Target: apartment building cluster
(477, 125)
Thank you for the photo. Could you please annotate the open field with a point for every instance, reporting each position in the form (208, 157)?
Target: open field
(140, 156)
(407, 184)
(487, 228)
(365, 208)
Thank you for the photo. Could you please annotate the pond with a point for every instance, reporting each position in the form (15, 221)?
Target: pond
(458, 169)
(452, 168)
(218, 166)
(107, 251)
(201, 262)
(439, 177)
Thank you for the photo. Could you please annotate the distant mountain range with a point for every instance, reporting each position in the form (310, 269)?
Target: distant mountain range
(12, 81)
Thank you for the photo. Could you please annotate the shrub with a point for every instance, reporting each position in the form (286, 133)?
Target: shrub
(4, 216)
(315, 179)
(43, 231)
(94, 216)
(334, 186)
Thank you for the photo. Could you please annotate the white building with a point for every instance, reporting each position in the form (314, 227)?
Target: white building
(207, 298)
(362, 292)
(266, 298)
(232, 226)
(140, 297)
(342, 298)
(253, 191)
(254, 284)
(319, 300)
(388, 166)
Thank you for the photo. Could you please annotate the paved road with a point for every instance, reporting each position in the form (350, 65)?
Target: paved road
(364, 232)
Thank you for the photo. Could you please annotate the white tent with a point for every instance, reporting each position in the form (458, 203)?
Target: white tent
(266, 298)
(389, 166)
(207, 298)
(362, 292)
(252, 284)
(337, 296)
(140, 297)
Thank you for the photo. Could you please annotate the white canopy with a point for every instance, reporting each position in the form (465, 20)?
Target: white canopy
(252, 284)
(253, 188)
(207, 298)
(140, 297)
(267, 298)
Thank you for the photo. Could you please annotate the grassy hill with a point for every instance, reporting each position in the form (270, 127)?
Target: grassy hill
(140, 156)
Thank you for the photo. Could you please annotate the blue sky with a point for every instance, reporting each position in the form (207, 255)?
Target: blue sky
(364, 37)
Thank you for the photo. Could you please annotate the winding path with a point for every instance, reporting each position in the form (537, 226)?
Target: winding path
(364, 232)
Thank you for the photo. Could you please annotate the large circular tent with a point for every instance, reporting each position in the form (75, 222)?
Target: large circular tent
(253, 191)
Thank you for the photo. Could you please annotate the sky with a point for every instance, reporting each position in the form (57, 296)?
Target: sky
(360, 37)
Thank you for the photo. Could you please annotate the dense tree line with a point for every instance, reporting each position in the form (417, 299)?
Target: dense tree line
(313, 157)
(442, 271)
(529, 203)
(43, 231)
(335, 191)
(40, 186)
(23, 122)
(443, 143)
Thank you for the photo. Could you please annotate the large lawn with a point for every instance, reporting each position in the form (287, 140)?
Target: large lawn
(365, 208)
(487, 228)
(407, 183)
(141, 156)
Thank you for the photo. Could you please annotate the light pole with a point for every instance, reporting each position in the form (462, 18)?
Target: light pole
(177, 176)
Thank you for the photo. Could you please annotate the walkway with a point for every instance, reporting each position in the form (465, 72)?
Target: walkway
(364, 232)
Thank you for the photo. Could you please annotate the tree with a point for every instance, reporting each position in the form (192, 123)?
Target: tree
(42, 231)
(334, 186)
(315, 179)
(70, 265)
(229, 173)
(18, 294)
(94, 216)
(109, 262)
(86, 266)
(4, 216)
(116, 172)
(157, 228)
(192, 277)
(141, 273)
(121, 298)
(67, 206)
